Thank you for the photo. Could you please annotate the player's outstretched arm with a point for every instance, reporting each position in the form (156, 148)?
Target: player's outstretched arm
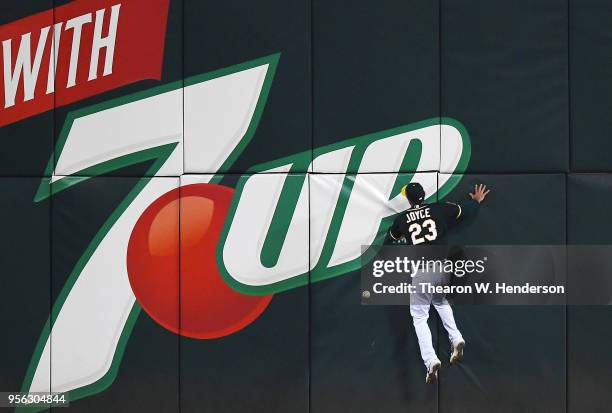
(470, 207)
(466, 209)
(480, 193)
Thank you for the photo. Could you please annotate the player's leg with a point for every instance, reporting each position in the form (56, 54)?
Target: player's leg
(419, 310)
(420, 314)
(445, 312)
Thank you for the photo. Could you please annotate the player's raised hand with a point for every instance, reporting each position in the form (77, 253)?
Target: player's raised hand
(480, 192)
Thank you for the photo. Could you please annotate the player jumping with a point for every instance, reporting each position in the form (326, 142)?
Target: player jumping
(426, 224)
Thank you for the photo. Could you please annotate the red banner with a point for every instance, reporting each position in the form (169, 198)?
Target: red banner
(91, 45)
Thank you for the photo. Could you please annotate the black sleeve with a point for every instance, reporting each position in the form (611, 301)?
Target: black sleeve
(395, 233)
(469, 208)
(457, 212)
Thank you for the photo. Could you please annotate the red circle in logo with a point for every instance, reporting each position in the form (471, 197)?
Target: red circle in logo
(171, 269)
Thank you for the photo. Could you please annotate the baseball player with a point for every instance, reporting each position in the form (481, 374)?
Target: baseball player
(426, 224)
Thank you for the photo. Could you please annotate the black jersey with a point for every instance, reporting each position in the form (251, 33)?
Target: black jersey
(427, 223)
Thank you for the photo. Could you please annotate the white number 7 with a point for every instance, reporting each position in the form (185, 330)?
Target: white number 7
(95, 311)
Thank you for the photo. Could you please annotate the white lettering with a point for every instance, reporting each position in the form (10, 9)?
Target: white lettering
(107, 42)
(55, 44)
(76, 24)
(22, 64)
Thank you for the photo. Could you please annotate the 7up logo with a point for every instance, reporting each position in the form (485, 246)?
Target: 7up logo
(204, 260)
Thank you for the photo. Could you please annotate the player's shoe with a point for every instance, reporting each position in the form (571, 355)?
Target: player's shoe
(432, 371)
(457, 353)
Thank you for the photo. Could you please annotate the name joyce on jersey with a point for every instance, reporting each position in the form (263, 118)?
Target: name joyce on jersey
(418, 214)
